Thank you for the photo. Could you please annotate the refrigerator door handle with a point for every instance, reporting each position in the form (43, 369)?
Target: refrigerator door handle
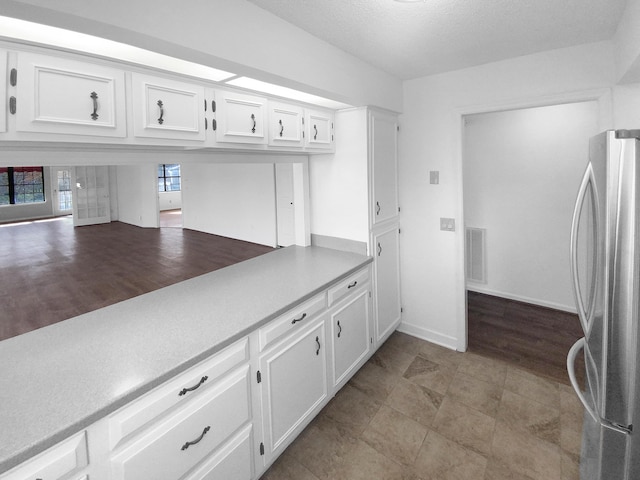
(587, 180)
(571, 369)
(571, 361)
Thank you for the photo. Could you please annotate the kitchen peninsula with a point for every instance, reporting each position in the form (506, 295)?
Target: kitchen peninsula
(59, 380)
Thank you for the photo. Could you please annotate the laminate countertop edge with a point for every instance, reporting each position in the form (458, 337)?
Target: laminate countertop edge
(58, 380)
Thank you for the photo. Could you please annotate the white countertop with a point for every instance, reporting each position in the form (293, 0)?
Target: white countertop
(57, 380)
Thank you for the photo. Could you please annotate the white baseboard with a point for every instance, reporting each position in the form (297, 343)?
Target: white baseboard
(521, 298)
(428, 335)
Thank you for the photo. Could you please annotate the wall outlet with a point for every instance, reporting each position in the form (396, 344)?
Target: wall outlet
(448, 224)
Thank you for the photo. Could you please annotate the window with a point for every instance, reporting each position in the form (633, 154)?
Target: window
(169, 178)
(20, 185)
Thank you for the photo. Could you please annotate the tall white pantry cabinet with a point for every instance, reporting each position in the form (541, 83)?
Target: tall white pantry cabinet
(362, 203)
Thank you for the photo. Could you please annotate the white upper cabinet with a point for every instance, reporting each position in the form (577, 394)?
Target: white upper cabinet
(383, 149)
(319, 129)
(164, 108)
(241, 118)
(3, 88)
(285, 125)
(59, 95)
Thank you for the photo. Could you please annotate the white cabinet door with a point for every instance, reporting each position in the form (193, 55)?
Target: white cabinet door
(241, 118)
(384, 166)
(164, 108)
(319, 129)
(285, 125)
(90, 201)
(294, 385)
(386, 268)
(58, 95)
(350, 334)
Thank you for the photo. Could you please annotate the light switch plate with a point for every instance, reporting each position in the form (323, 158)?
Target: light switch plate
(434, 177)
(448, 224)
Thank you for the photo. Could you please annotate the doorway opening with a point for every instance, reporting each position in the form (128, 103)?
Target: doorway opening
(169, 195)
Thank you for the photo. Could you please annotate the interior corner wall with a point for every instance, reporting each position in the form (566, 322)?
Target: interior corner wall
(232, 35)
(432, 261)
(235, 200)
(137, 187)
(521, 171)
(341, 210)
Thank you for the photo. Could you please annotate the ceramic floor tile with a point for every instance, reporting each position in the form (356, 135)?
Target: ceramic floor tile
(351, 409)
(374, 381)
(366, 463)
(415, 401)
(443, 459)
(322, 448)
(532, 386)
(570, 465)
(441, 355)
(427, 373)
(483, 368)
(530, 416)
(498, 471)
(395, 435)
(288, 468)
(526, 453)
(465, 426)
(475, 393)
(390, 357)
(405, 343)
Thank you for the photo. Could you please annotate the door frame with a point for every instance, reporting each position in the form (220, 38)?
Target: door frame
(602, 96)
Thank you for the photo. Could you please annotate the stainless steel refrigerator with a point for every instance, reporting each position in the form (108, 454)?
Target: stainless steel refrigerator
(605, 258)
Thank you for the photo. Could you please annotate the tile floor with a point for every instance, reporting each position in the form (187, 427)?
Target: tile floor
(417, 411)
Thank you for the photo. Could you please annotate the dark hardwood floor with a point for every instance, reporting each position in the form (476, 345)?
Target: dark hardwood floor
(52, 271)
(528, 336)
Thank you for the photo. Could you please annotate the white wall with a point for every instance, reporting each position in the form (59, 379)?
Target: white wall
(432, 261)
(169, 200)
(231, 200)
(338, 183)
(137, 187)
(232, 35)
(522, 169)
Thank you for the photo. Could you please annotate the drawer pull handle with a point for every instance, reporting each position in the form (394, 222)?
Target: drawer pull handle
(351, 285)
(318, 342)
(191, 389)
(340, 327)
(94, 97)
(188, 444)
(293, 322)
(281, 127)
(253, 129)
(161, 105)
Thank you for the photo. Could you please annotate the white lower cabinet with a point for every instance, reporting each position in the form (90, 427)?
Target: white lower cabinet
(171, 448)
(56, 463)
(387, 280)
(350, 333)
(293, 385)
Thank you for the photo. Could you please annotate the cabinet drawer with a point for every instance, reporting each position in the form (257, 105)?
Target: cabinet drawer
(175, 446)
(233, 461)
(348, 285)
(57, 462)
(193, 382)
(289, 321)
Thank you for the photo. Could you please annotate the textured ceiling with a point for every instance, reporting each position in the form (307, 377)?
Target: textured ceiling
(411, 40)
